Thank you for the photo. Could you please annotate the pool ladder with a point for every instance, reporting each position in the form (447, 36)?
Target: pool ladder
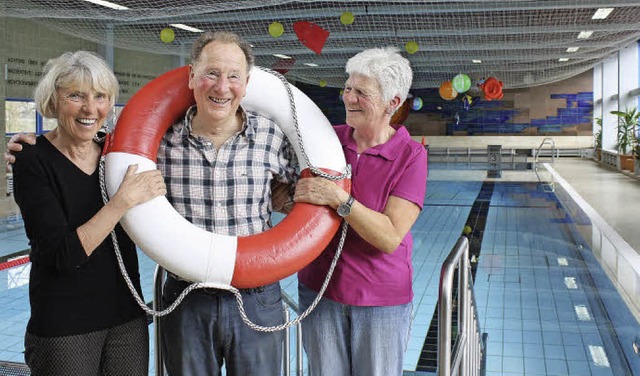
(549, 185)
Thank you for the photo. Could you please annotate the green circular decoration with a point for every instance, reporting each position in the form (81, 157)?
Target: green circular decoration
(411, 47)
(276, 29)
(167, 35)
(346, 18)
(461, 83)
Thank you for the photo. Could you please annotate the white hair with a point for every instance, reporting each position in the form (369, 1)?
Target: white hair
(80, 69)
(387, 67)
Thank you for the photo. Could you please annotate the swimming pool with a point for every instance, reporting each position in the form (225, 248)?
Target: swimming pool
(545, 302)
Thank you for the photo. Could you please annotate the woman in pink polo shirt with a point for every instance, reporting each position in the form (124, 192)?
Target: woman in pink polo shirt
(361, 326)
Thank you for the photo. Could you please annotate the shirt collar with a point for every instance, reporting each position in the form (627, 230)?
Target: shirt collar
(191, 112)
(389, 150)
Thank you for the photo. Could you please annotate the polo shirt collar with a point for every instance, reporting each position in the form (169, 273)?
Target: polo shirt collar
(389, 150)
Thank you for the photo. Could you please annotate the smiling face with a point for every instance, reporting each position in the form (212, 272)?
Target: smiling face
(363, 102)
(219, 81)
(81, 112)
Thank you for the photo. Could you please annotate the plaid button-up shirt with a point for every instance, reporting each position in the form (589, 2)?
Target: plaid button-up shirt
(226, 191)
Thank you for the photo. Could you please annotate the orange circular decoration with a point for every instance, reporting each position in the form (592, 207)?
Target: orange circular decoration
(447, 92)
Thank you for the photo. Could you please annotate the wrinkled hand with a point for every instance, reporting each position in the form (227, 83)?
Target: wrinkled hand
(138, 188)
(319, 191)
(281, 200)
(13, 146)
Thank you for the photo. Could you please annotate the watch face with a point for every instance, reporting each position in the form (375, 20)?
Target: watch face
(344, 210)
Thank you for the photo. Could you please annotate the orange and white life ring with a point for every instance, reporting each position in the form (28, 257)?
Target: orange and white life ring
(201, 256)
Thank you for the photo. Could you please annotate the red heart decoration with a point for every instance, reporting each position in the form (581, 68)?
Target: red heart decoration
(311, 35)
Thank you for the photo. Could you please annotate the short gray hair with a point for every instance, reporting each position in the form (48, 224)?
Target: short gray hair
(80, 69)
(387, 67)
(222, 37)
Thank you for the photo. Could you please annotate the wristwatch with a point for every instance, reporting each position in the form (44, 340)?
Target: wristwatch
(344, 209)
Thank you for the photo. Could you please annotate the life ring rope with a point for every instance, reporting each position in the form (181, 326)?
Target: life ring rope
(199, 285)
(334, 177)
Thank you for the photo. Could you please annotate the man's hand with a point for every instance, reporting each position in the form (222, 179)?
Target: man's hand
(13, 146)
(281, 197)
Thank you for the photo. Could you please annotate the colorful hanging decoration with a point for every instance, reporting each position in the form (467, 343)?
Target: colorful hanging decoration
(417, 104)
(276, 29)
(346, 18)
(492, 88)
(411, 47)
(461, 83)
(167, 35)
(447, 92)
(283, 66)
(468, 101)
(311, 35)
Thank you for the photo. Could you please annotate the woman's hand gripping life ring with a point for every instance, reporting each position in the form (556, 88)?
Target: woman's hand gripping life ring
(201, 256)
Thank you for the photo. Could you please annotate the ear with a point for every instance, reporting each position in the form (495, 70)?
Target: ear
(192, 77)
(394, 103)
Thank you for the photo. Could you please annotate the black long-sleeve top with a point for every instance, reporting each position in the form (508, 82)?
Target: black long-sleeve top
(70, 293)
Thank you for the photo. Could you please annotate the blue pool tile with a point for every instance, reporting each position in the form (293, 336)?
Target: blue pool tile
(513, 364)
(556, 367)
(575, 352)
(578, 368)
(494, 363)
(552, 338)
(601, 371)
(513, 350)
(534, 350)
(554, 352)
(534, 366)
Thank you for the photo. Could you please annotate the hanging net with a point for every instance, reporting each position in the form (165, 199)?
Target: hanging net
(523, 43)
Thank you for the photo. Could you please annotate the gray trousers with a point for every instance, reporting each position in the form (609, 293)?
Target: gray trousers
(122, 351)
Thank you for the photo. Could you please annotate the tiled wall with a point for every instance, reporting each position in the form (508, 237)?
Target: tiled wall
(563, 108)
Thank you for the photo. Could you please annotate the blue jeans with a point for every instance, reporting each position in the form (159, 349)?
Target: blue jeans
(343, 340)
(206, 330)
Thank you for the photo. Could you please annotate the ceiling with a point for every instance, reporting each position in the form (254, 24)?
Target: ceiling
(519, 42)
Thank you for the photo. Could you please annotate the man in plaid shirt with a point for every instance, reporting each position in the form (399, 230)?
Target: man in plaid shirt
(219, 164)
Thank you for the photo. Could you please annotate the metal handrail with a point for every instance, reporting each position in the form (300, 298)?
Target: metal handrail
(554, 150)
(158, 283)
(469, 348)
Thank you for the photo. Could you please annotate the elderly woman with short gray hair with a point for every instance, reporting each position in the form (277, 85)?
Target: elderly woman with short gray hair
(361, 325)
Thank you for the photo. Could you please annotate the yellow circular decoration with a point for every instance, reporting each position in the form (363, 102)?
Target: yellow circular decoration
(411, 47)
(276, 29)
(323, 83)
(346, 18)
(467, 230)
(167, 35)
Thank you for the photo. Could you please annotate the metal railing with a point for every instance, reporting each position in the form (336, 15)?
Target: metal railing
(554, 150)
(158, 283)
(467, 356)
(547, 185)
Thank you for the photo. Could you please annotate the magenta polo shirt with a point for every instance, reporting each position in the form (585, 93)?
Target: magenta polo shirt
(364, 275)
